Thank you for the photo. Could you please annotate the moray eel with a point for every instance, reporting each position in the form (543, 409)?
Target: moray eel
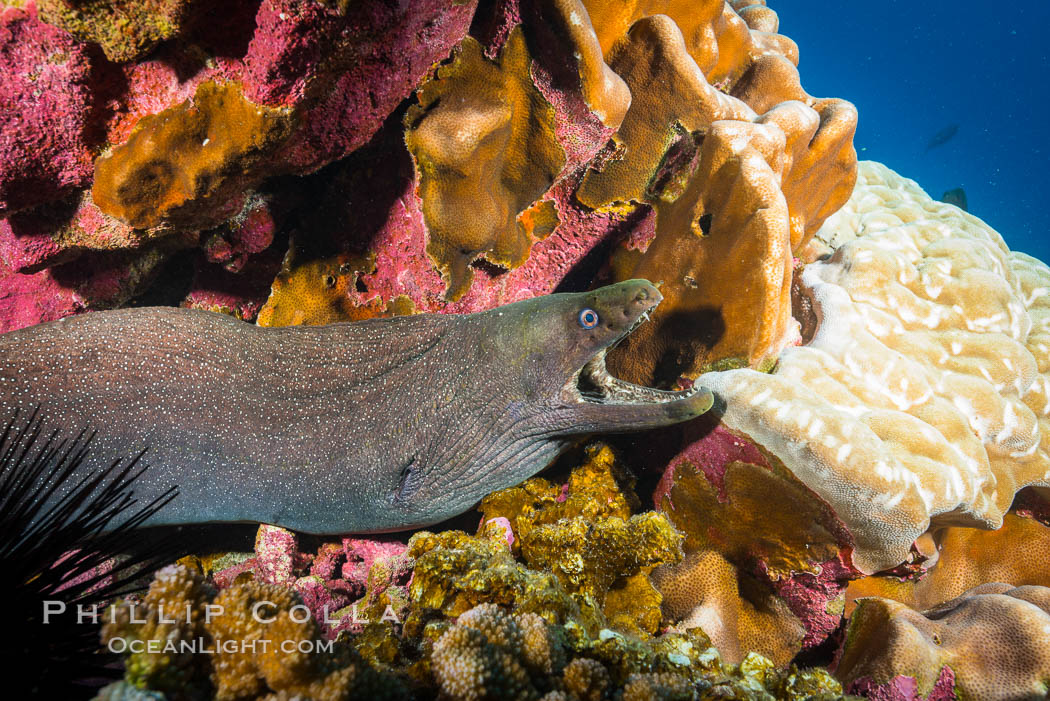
(370, 426)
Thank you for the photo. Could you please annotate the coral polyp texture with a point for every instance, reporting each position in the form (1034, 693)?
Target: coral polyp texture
(185, 158)
(992, 642)
(920, 398)
(954, 559)
(483, 141)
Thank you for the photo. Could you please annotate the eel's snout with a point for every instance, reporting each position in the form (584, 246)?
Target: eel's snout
(643, 297)
(626, 304)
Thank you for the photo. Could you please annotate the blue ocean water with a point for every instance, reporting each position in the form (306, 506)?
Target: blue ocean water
(915, 69)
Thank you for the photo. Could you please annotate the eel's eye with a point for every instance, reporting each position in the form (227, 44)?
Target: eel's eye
(588, 318)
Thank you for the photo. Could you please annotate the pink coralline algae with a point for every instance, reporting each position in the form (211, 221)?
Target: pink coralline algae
(903, 688)
(59, 232)
(337, 583)
(45, 111)
(731, 497)
(337, 72)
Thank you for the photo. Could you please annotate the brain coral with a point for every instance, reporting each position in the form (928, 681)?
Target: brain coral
(921, 397)
(994, 642)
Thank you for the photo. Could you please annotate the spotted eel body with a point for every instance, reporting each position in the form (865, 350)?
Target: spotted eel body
(359, 427)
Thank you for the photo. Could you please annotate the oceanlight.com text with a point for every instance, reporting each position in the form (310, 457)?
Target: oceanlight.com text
(217, 646)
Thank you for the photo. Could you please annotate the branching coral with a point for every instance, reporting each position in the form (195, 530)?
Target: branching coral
(178, 591)
(994, 642)
(489, 654)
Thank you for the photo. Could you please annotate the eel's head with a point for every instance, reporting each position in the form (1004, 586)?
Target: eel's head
(588, 398)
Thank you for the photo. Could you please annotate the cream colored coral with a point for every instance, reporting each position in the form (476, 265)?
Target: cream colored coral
(922, 395)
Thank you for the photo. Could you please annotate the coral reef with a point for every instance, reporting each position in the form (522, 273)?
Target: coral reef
(922, 365)
(880, 359)
(547, 523)
(584, 558)
(765, 556)
(952, 560)
(204, 103)
(126, 30)
(916, 359)
(187, 641)
(485, 653)
(720, 178)
(482, 138)
(488, 654)
(540, 151)
(178, 163)
(990, 643)
(343, 584)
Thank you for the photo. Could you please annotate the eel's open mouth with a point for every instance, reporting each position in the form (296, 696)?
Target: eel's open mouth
(593, 383)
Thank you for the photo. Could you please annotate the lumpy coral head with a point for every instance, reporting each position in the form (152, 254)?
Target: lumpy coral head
(963, 558)
(483, 141)
(919, 397)
(995, 639)
(718, 39)
(734, 194)
(126, 29)
(177, 164)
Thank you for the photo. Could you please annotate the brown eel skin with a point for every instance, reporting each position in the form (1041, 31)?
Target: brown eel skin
(371, 426)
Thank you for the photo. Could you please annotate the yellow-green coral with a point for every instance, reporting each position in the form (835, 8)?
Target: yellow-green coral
(490, 654)
(584, 533)
(133, 625)
(125, 29)
(455, 572)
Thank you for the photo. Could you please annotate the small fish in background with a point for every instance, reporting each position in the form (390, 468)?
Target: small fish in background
(956, 196)
(942, 137)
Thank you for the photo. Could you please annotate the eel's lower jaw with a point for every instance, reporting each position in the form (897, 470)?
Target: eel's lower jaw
(592, 384)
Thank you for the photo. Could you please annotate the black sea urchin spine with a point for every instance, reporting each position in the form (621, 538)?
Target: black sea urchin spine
(71, 546)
